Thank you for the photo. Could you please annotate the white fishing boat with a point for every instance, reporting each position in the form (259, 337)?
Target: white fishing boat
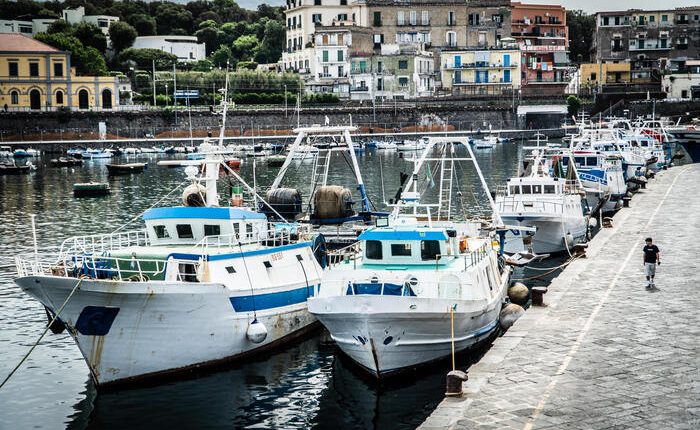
(6, 151)
(487, 142)
(387, 145)
(410, 145)
(200, 285)
(132, 151)
(553, 205)
(600, 175)
(148, 150)
(416, 285)
(97, 153)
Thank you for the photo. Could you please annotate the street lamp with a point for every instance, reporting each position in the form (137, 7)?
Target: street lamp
(166, 95)
(285, 100)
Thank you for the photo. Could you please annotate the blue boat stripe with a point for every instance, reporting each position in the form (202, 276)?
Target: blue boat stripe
(217, 257)
(260, 302)
(391, 234)
(201, 213)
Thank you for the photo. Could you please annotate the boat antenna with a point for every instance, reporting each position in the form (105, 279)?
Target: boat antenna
(381, 176)
(224, 104)
(36, 244)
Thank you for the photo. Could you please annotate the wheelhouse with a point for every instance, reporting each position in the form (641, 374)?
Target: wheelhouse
(399, 247)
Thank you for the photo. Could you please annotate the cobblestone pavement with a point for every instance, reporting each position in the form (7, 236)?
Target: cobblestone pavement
(605, 353)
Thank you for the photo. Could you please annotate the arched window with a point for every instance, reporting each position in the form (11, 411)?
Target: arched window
(83, 99)
(59, 97)
(106, 99)
(14, 97)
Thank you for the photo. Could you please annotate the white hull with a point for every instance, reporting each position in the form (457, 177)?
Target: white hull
(551, 236)
(159, 327)
(386, 334)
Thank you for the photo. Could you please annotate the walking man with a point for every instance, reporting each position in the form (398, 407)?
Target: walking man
(652, 257)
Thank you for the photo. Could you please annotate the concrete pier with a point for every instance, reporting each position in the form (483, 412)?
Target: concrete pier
(605, 352)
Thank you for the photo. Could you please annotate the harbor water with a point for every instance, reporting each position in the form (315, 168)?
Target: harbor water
(305, 385)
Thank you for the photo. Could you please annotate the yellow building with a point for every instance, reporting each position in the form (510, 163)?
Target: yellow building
(36, 76)
(481, 72)
(606, 73)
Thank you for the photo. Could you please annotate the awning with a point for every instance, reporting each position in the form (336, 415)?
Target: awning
(561, 58)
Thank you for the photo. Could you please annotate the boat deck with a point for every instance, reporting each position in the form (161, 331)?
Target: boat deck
(605, 352)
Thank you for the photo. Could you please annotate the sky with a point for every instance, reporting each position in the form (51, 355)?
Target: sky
(589, 6)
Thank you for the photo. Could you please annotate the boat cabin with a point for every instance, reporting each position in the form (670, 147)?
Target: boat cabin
(536, 185)
(396, 246)
(188, 225)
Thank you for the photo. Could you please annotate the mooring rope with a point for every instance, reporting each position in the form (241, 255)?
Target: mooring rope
(77, 284)
(548, 270)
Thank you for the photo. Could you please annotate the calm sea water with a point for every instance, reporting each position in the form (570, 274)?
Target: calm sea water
(306, 385)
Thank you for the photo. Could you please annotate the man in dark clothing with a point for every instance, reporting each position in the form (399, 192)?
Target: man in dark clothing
(652, 257)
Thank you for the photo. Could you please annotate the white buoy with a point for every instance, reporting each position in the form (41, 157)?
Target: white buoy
(257, 332)
(592, 222)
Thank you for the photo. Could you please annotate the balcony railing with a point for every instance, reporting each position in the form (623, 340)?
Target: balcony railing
(481, 66)
(467, 82)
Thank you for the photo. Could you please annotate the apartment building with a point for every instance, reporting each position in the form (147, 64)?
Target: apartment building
(542, 35)
(683, 83)
(481, 72)
(651, 40)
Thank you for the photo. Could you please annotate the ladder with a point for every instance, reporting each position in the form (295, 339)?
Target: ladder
(445, 199)
(320, 170)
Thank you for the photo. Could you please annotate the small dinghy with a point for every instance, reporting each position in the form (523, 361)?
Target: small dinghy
(91, 189)
(126, 169)
(66, 162)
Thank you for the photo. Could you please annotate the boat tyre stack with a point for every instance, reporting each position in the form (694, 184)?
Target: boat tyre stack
(286, 201)
(194, 195)
(331, 202)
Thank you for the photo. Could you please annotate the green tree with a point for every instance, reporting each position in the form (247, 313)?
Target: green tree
(222, 56)
(90, 35)
(122, 35)
(202, 66)
(210, 37)
(582, 29)
(145, 25)
(60, 26)
(245, 47)
(573, 104)
(144, 58)
(270, 50)
(87, 60)
(171, 15)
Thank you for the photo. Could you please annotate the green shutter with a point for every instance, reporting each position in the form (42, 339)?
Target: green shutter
(325, 56)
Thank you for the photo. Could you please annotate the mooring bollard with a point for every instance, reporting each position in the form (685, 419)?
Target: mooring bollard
(454, 383)
(626, 202)
(538, 295)
(607, 222)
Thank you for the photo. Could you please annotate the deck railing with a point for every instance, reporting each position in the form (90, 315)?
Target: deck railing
(104, 242)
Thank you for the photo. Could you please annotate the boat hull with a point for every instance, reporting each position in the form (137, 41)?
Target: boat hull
(553, 235)
(690, 141)
(131, 331)
(390, 334)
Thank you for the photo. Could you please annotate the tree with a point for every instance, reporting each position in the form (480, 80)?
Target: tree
(210, 37)
(582, 29)
(573, 104)
(222, 56)
(144, 58)
(202, 66)
(144, 24)
(171, 15)
(245, 47)
(122, 35)
(90, 35)
(270, 50)
(59, 26)
(87, 60)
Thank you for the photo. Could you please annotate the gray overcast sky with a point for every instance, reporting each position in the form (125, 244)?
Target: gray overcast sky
(589, 6)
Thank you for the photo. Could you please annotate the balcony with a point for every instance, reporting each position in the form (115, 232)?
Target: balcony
(650, 47)
(480, 65)
(359, 89)
(358, 71)
(500, 81)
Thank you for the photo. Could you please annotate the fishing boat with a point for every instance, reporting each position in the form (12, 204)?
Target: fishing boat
(553, 205)
(25, 153)
(386, 145)
(91, 189)
(418, 285)
(200, 284)
(132, 151)
(126, 169)
(6, 152)
(14, 169)
(410, 145)
(689, 138)
(487, 142)
(601, 175)
(98, 153)
(66, 162)
(148, 150)
(75, 152)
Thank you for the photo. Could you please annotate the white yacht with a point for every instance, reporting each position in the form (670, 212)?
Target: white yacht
(416, 286)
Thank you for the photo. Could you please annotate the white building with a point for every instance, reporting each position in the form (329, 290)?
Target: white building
(29, 28)
(683, 84)
(77, 15)
(302, 18)
(185, 48)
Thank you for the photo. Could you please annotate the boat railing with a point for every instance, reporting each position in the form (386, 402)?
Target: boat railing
(104, 242)
(515, 204)
(276, 238)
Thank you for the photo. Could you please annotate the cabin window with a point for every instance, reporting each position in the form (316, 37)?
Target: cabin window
(184, 231)
(161, 231)
(537, 189)
(249, 230)
(373, 250)
(527, 189)
(429, 249)
(230, 270)
(212, 230)
(400, 249)
(591, 161)
(188, 272)
(549, 189)
(515, 189)
(235, 229)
